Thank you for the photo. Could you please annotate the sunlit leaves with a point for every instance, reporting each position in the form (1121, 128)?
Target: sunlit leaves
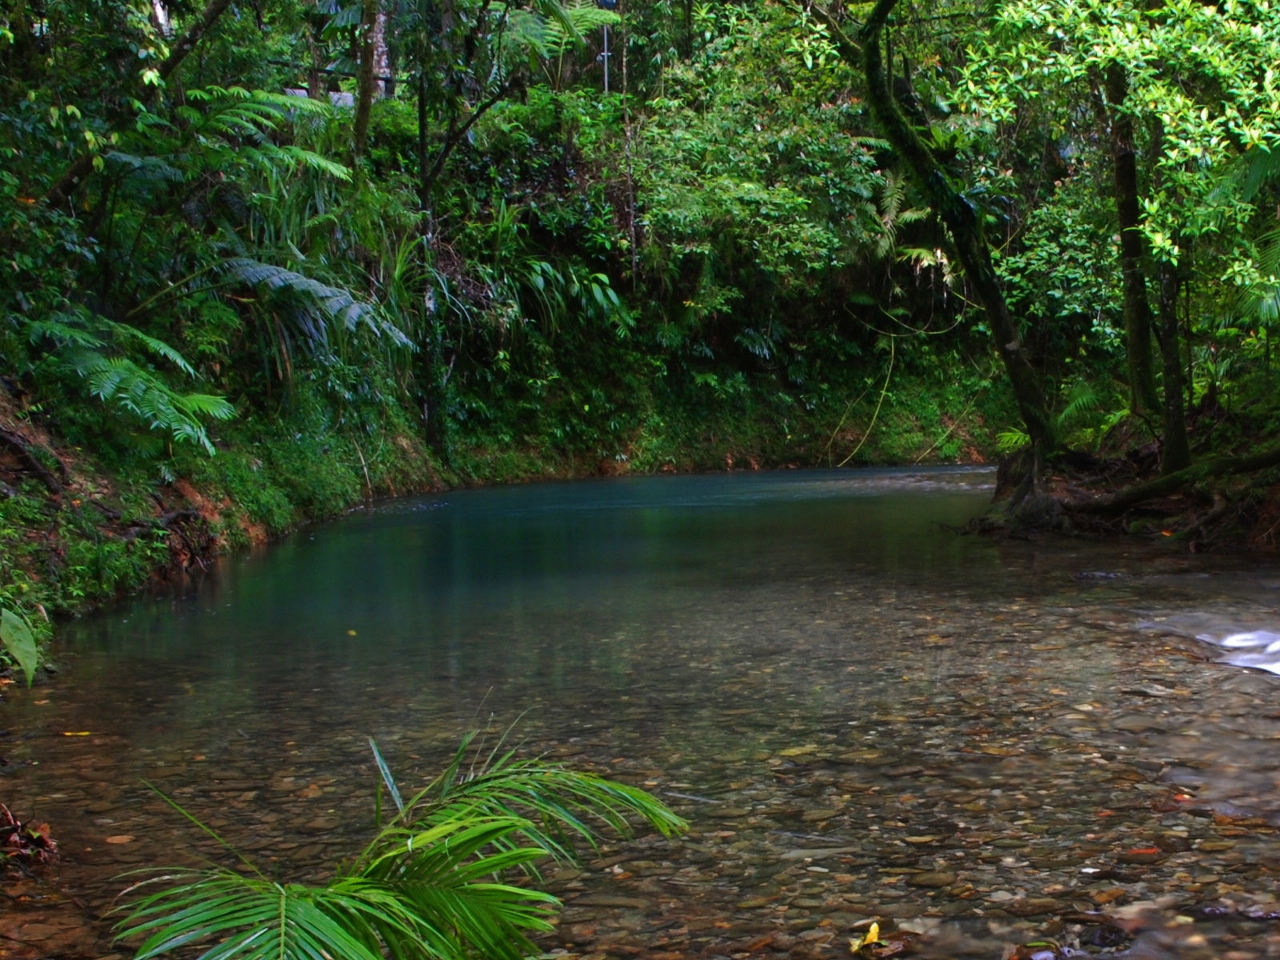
(1200, 77)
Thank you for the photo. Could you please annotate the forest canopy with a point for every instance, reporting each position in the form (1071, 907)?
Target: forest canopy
(429, 218)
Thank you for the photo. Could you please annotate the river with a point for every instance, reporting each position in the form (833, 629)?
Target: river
(863, 714)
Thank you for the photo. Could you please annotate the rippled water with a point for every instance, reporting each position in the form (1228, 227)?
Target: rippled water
(862, 713)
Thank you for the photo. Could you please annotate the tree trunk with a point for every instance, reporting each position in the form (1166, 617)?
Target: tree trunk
(364, 81)
(969, 243)
(384, 84)
(317, 82)
(1143, 398)
(1175, 451)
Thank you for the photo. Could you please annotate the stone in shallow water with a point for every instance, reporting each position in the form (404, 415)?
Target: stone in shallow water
(608, 900)
(932, 879)
(1033, 907)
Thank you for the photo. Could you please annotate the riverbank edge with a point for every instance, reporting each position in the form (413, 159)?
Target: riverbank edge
(107, 530)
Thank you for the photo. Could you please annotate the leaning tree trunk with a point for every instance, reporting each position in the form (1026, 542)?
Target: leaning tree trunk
(968, 241)
(1143, 398)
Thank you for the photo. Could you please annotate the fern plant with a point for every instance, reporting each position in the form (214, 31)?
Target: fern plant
(1082, 400)
(428, 887)
(98, 351)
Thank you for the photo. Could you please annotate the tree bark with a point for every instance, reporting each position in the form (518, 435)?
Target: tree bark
(316, 81)
(67, 184)
(1175, 450)
(1175, 447)
(967, 238)
(384, 80)
(365, 79)
(1143, 398)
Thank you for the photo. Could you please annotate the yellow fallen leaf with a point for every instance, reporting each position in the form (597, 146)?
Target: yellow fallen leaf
(873, 936)
(76, 733)
(351, 633)
(120, 838)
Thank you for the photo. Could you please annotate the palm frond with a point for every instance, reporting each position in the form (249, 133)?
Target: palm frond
(1262, 298)
(256, 919)
(1081, 400)
(557, 803)
(140, 392)
(428, 887)
(102, 351)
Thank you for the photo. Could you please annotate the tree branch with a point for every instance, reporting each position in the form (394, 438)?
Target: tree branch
(67, 184)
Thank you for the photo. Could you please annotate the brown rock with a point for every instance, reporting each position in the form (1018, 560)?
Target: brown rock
(932, 879)
(1032, 907)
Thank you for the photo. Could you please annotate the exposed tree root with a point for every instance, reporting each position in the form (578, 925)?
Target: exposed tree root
(22, 448)
(1174, 482)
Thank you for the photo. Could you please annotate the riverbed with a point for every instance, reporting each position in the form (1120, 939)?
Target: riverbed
(863, 714)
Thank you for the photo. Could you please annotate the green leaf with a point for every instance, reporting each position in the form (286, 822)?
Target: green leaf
(20, 642)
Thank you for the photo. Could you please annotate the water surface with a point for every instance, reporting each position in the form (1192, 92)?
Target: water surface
(863, 713)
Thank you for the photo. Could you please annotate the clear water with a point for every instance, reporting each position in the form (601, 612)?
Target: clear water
(862, 712)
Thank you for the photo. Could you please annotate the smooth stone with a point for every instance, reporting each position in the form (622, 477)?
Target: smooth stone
(609, 900)
(1032, 907)
(320, 825)
(821, 813)
(932, 879)
(1216, 846)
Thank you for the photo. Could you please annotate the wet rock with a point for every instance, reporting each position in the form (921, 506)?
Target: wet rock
(1032, 907)
(609, 900)
(932, 879)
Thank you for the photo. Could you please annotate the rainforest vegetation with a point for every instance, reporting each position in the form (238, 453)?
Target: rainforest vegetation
(263, 258)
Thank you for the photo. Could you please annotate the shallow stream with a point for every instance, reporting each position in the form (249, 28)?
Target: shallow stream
(862, 713)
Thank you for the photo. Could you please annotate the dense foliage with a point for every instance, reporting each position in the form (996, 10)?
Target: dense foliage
(297, 251)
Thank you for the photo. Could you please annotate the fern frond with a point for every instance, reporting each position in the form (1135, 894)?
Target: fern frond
(1261, 164)
(1082, 399)
(319, 302)
(1010, 441)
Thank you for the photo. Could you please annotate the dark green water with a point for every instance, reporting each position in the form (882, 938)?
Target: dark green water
(817, 656)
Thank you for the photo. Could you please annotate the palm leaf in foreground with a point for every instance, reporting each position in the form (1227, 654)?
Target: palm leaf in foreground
(555, 802)
(428, 887)
(428, 895)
